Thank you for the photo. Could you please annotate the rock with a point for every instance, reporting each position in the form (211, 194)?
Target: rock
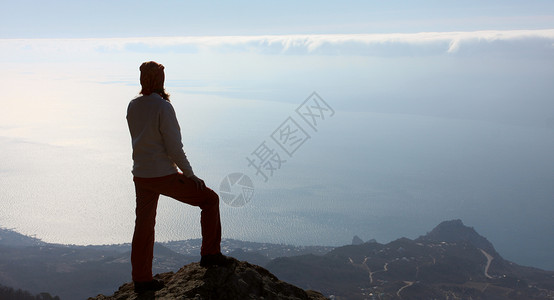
(357, 240)
(455, 231)
(239, 280)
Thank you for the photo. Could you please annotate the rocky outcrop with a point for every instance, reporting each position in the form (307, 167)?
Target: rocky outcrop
(356, 240)
(455, 231)
(239, 280)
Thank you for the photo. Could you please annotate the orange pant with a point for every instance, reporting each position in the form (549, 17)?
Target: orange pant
(183, 189)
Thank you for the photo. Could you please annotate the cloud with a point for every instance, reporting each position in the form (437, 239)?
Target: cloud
(357, 44)
(395, 44)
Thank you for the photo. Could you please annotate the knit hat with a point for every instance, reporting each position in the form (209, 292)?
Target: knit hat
(151, 78)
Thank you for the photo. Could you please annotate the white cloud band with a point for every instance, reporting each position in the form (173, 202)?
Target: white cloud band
(327, 44)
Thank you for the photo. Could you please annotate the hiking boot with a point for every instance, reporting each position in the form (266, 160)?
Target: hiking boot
(153, 285)
(215, 260)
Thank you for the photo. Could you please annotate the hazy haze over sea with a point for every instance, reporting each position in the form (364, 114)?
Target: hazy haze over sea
(427, 127)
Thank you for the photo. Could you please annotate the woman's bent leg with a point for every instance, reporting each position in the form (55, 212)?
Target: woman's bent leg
(185, 190)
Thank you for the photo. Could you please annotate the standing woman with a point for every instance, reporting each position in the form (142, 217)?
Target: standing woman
(157, 158)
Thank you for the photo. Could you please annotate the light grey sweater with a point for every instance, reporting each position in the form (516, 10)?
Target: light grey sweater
(156, 138)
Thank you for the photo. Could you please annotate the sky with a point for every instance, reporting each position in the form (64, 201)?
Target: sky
(441, 110)
(85, 19)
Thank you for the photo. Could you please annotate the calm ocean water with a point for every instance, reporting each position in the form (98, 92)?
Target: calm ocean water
(404, 145)
(67, 179)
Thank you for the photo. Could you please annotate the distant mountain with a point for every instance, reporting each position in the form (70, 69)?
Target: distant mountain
(11, 238)
(240, 280)
(78, 272)
(451, 262)
(9, 293)
(192, 248)
(356, 240)
(455, 231)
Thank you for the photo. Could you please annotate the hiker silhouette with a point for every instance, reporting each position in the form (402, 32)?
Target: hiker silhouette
(160, 167)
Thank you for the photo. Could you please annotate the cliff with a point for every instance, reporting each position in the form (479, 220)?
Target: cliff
(240, 280)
